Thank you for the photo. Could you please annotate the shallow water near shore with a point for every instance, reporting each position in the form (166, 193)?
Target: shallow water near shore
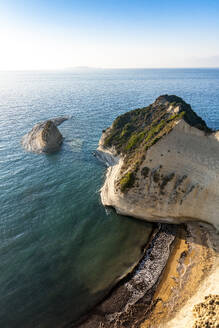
(61, 250)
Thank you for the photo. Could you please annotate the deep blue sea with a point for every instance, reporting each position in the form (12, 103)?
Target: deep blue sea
(60, 249)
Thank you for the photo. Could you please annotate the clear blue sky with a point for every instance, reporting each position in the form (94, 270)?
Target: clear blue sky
(58, 34)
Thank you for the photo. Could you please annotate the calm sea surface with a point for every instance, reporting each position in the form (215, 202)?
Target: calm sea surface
(60, 249)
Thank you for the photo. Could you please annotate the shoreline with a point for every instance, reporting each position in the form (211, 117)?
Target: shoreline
(134, 292)
(190, 267)
(167, 300)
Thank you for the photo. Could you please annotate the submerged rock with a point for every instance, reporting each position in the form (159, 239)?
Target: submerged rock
(164, 164)
(44, 137)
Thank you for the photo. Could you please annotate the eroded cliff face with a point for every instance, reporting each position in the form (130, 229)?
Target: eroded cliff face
(172, 178)
(44, 137)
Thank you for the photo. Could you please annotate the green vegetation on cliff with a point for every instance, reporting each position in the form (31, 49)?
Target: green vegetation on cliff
(127, 181)
(134, 132)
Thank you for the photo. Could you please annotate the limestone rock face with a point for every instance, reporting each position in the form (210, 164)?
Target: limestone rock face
(44, 137)
(175, 178)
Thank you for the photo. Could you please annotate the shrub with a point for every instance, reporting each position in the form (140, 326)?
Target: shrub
(127, 181)
(145, 171)
(134, 132)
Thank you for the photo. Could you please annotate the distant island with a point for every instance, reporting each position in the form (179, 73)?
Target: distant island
(81, 68)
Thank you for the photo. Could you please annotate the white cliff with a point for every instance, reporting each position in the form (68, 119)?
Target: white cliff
(177, 179)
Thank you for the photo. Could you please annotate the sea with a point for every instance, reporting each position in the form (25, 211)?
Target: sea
(61, 251)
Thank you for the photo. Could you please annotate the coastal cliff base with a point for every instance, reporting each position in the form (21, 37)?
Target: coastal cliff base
(128, 302)
(191, 274)
(187, 259)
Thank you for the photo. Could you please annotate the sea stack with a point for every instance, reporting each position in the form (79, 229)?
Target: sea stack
(163, 164)
(44, 137)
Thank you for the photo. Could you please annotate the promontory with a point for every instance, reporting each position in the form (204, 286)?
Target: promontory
(163, 164)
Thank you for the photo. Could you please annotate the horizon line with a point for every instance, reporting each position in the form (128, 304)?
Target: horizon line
(84, 68)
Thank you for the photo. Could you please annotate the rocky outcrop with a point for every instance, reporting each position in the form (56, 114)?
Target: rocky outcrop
(164, 164)
(44, 137)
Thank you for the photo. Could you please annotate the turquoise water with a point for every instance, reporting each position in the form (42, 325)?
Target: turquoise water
(60, 248)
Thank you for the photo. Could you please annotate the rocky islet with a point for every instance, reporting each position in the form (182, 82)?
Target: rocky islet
(44, 136)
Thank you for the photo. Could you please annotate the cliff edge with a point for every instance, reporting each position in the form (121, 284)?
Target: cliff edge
(163, 164)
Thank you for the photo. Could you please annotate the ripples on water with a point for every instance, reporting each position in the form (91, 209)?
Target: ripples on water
(60, 249)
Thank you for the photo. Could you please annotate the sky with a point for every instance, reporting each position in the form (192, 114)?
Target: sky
(59, 34)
